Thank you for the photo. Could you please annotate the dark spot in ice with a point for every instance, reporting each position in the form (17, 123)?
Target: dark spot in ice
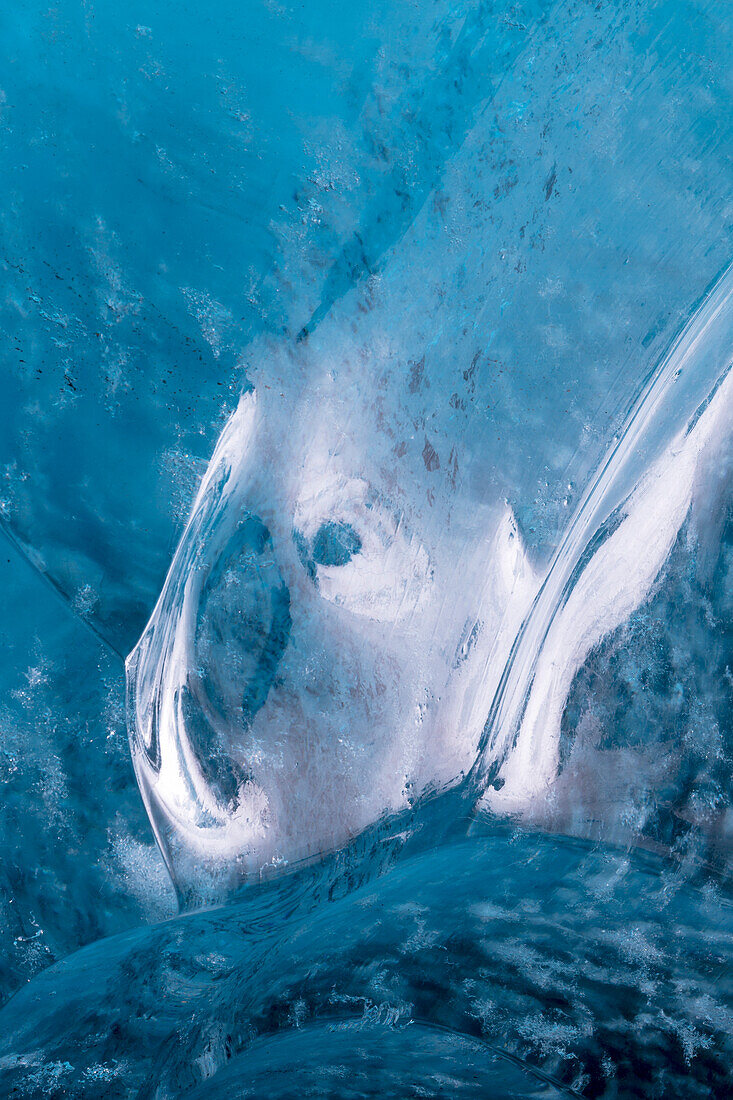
(430, 457)
(242, 631)
(550, 183)
(416, 376)
(335, 544)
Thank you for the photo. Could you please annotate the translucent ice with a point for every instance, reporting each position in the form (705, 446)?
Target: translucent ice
(325, 646)
(438, 649)
(330, 639)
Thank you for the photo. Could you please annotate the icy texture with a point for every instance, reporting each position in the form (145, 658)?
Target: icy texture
(368, 382)
(616, 545)
(77, 859)
(501, 965)
(319, 625)
(282, 667)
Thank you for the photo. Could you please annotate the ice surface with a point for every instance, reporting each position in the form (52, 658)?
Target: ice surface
(367, 382)
(616, 546)
(585, 970)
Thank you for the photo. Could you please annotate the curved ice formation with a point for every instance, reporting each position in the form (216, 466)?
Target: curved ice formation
(316, 658)
(326, 647)
(614, 548)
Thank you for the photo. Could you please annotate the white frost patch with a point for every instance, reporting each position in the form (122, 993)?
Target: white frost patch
(145, 875)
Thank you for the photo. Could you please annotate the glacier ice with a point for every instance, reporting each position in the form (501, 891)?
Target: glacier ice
(332, 642)
(616, 546)
(285, 694)
(434, 696)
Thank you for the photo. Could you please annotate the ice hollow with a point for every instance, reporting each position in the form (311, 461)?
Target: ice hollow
(326, 644)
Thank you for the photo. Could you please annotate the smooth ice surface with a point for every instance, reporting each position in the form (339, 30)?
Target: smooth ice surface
(368, 395)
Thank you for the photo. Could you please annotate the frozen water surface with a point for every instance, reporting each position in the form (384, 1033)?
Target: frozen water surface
(367, 395)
